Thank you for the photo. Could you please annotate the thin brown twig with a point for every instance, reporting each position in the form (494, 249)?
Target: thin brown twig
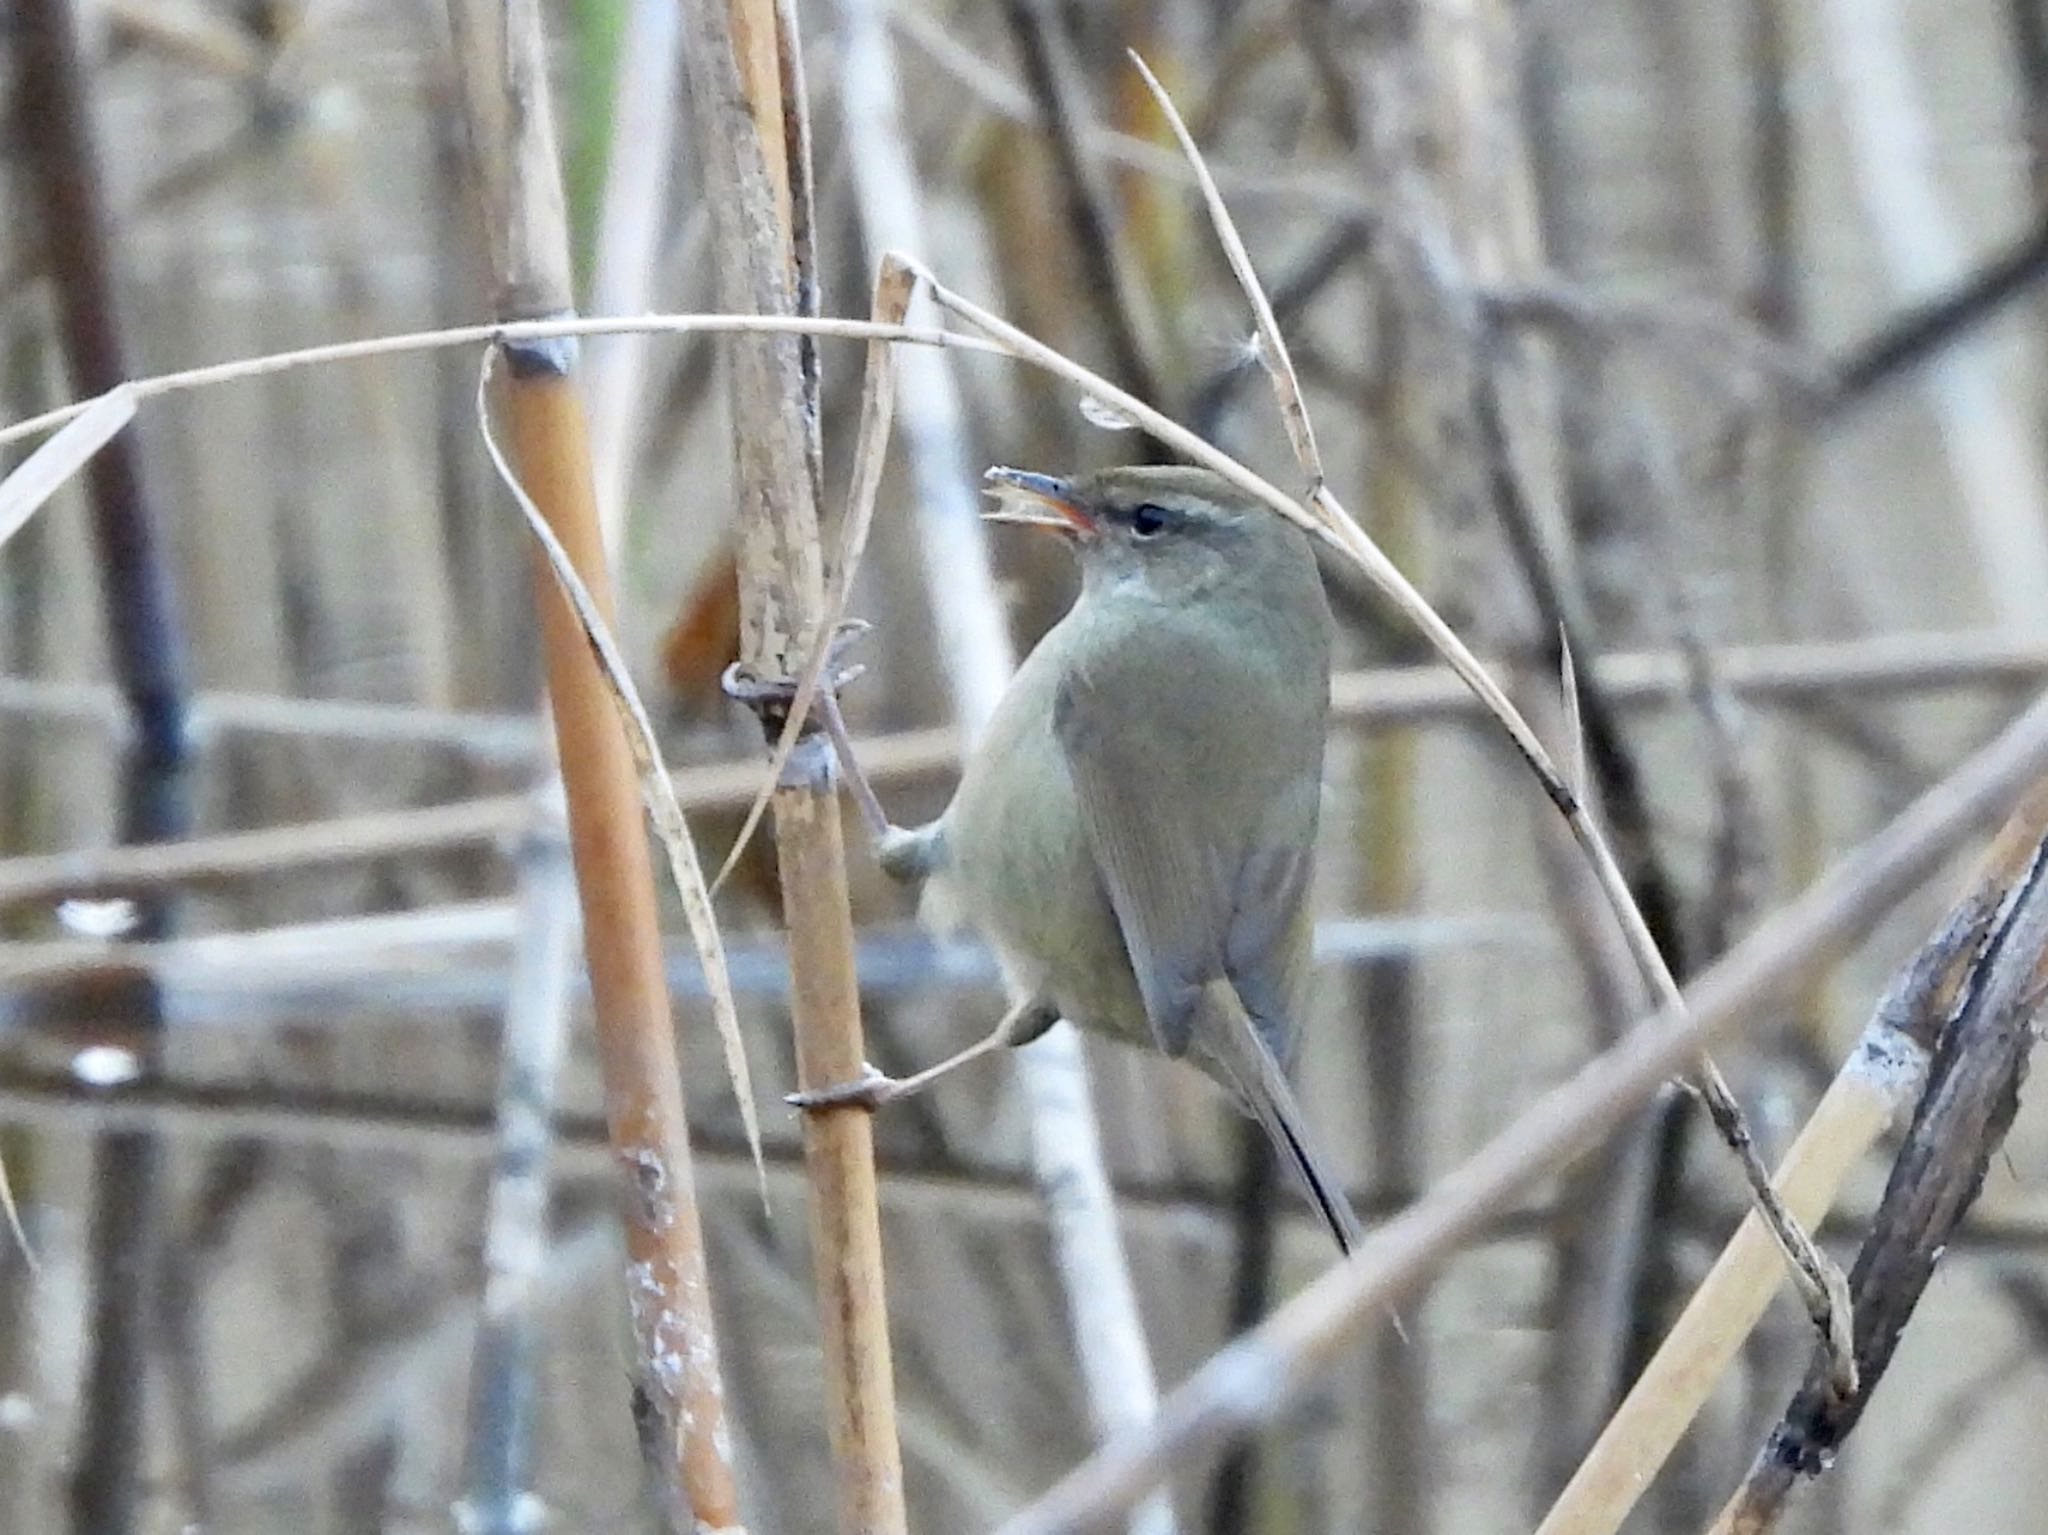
(1122, 306)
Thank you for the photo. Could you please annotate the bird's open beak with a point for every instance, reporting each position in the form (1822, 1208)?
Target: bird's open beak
(1035, 500)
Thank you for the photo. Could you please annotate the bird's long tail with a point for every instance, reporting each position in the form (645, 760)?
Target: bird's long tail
(1262, 1085)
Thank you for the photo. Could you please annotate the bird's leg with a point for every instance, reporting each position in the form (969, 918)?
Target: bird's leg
(864, 798)
(875, 1089)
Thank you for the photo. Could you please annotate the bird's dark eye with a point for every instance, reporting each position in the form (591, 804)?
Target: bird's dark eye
(1148, 521)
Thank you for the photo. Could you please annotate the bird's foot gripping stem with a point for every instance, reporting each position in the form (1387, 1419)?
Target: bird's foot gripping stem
(770, 698)
(870, 1091)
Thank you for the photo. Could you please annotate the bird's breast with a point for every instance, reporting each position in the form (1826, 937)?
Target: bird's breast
(1019, 870)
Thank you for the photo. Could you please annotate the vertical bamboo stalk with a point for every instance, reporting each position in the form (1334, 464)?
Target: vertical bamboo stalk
(746, 74)
(502, 63)
(56, 131)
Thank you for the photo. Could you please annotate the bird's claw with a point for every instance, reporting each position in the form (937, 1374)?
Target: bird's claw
(870, 1090)
(743, 684)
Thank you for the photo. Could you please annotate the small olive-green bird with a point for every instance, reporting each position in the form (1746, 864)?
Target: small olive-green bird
(1134, 833)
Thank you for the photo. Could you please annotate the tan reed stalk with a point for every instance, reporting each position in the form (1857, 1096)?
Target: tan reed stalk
(501, 54)
(746, 72)
(1109, 1342)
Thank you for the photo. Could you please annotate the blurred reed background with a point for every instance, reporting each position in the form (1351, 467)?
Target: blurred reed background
(1706, 334)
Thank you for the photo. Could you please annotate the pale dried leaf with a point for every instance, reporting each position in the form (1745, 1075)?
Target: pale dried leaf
(47, 470)
(1574, 723)
(14, 1221)
(656, 790)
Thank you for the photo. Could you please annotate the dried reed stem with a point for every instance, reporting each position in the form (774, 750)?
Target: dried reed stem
(753, 140)
(505, 93)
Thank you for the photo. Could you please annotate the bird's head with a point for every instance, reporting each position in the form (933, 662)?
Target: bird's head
(1173, 531)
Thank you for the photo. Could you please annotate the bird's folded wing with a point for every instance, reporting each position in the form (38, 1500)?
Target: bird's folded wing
(1178, 846)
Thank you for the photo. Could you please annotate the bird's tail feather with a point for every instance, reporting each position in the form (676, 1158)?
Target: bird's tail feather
(1265, 1090)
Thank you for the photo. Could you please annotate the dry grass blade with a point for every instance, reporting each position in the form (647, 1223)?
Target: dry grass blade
(399, 343)
(655, 786)
(1272, 345)
(44, 472)
(14, 1225)
(1819, 1280)
(1574, 723)
(894, 285)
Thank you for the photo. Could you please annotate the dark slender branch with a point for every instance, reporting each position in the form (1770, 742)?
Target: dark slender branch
(1609, 757)
(1325, 261)
(54, 126)
(1920, 334)
(1254, 1210)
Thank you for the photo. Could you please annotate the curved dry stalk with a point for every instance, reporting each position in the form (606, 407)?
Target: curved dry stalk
(1273, 353)
(494, 333)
